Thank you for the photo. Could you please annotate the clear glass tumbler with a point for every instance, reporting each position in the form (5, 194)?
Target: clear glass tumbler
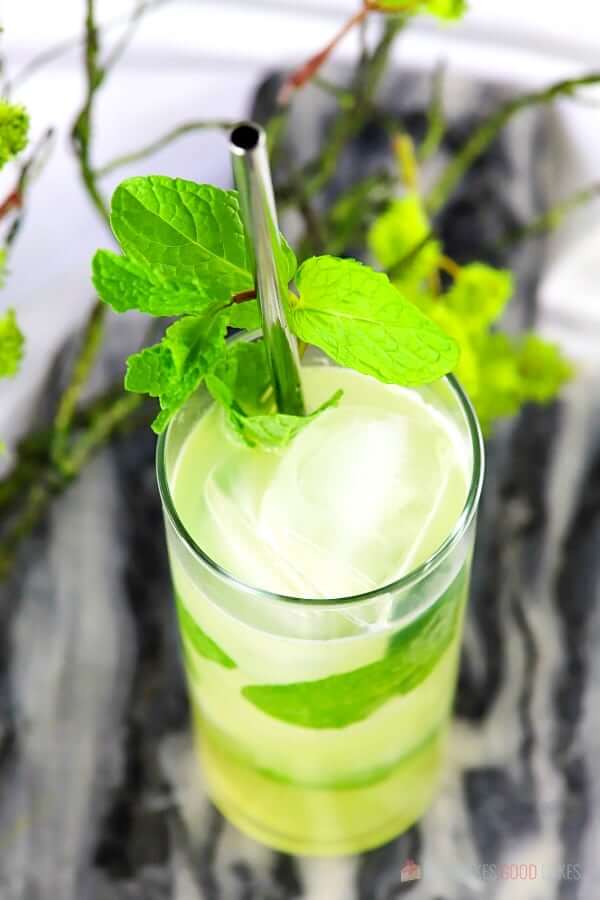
(321, 725)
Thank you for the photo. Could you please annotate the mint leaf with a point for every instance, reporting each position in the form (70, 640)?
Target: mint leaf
(11, 345)
(361, 321)
(277, 430)
(14, 126)
(174, 369)
(241, 383)
(245, 379)
(342, 700)
(125, 284)
(200, 641)
(245, 315)
(186, 233)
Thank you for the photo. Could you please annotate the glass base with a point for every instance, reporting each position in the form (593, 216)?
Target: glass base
(321, 821)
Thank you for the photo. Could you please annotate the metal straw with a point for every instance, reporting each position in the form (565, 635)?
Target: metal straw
(252, 177)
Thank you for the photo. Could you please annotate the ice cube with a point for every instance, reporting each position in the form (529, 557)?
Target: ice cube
(360, 496)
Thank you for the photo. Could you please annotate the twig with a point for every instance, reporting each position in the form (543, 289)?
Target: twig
(81, 132)
(90, 345)
(158, 144)
(553, 217)
(101, 430)
(140, 9)
(30, 169)
(36, 502)
(483, 136)
(310, 68)
(53, 481)
(436, 121)
(365, 83)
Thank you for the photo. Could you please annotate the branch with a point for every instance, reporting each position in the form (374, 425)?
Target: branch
(90, 346)
(29, 171)
(81, 132)
(310, 68)
(161, 142)
(139, 11)
(52, 481)
(365, 83)
(553, 217)
(483, 136)
(436, 121)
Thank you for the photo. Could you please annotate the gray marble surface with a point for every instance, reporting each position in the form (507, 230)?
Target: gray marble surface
(100, 797)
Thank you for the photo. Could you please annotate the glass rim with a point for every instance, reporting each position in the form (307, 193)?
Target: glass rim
(405, 581)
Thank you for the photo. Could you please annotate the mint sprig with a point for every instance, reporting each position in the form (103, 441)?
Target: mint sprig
(185, 254)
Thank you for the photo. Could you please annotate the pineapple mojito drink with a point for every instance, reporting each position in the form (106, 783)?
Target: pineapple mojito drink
(321, 653)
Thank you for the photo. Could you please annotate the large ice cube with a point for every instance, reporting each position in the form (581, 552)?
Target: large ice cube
(362, 496)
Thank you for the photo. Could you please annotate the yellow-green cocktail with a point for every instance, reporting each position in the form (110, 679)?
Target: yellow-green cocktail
(320, 592)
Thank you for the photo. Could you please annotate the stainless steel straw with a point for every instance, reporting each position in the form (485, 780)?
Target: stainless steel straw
(252, 177)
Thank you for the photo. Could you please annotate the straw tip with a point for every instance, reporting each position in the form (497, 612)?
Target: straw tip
(245, 137)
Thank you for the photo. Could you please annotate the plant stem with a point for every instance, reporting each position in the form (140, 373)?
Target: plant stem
(81, 132)
(436, 122)
(553, 217)
(483, 136)
(309, 69)
(90, 346)
(158, 144)
(51, 481)
(28, 172)
(352, 119)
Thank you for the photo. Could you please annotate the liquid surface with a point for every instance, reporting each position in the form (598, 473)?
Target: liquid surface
(360, 497)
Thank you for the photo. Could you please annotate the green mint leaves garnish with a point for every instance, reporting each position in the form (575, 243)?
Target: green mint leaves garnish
(359, 319)
(185, 254)
(11, 345)
(341, 700)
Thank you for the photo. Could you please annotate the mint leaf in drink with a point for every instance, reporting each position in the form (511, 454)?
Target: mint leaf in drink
(11, 345)
(277, 430)
(245, 315)
(14, 126)
(361, 321)
(186, 233)
(198, 638)
(244, 377)
(125, 284)
(173, 369)
(241, 383)
(342, 700)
